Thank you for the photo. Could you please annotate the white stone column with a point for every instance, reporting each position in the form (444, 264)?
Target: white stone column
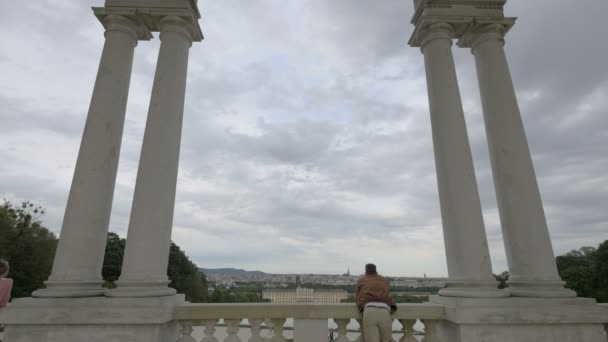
(144, 269)
(80, 252)
(526, 236)
(466, 246)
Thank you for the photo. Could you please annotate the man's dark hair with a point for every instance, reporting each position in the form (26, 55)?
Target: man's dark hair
(370, 269)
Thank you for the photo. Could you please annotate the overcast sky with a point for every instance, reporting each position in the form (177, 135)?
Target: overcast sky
(307, 140)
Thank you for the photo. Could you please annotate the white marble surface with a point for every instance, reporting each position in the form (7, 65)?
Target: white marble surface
(144, 269)
(79, 258)
(98, 319)
(522, 319)
(526, 236)
(466, 245)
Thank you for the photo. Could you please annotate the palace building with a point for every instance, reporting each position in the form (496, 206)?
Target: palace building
(305, 295)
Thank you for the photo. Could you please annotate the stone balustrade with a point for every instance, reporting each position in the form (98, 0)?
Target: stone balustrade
(605, 305)
(2, 314)
(264, 322)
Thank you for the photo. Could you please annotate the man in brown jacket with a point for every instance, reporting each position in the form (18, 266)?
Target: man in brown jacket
(374, 301)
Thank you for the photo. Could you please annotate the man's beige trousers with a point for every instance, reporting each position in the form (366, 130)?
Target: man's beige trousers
(377, 325)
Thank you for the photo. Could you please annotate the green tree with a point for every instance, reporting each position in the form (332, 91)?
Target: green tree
(236, 295)
(599, 268)
(30, 249)
(185, 276)
(26, 245)
(502, 279)
(575, 268)
(183, 273)
(411, 299)
(112, 261)
(217, 296)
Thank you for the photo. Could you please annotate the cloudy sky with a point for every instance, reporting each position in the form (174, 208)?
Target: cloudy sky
(307, 140)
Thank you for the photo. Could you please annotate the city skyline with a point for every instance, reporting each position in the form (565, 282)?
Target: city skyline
(237, 271)
(307, 142)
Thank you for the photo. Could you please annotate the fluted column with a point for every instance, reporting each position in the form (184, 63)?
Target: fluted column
(144, 269)
(528, 246)
(79, 258)
(466, 246)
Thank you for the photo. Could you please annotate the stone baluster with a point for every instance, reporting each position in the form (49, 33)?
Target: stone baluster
(256, 328)
(269, 328)
(430, 330)
(408, 330)
(232, 329)
(342, 331)
(186, 331)
(209, 330)
(276, 326)
(360, 338)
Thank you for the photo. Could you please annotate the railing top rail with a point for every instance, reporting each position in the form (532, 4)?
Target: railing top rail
(303, 311)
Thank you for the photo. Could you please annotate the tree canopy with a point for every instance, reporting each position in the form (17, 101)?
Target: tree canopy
(502, 279)
(183, 273)
(26, 245)
(29, 248)
(586, 271)
(576, 269)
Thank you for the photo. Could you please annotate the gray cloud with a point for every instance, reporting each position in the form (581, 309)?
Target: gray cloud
(307, 141)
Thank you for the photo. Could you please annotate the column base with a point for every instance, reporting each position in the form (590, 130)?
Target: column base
(521, 319)
(92, 319)
(139, 289)
(485, 289)
(540, 289)
(70, 289)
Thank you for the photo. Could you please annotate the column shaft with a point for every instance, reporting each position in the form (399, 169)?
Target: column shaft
(526, 236)
(80, 252)
(144, 270)
(466, 246)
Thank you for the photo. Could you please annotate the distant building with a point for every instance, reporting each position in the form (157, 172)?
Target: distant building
(305, 295)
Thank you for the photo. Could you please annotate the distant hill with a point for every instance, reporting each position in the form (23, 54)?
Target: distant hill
(229, 271)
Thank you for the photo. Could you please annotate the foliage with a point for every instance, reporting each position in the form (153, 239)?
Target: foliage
(600, 271)
(220, 295)
(183, 273)
(576, 268)
(586, 271)
(410, 299)
(185, 277)
(112, 261)
(28, 247)
(397, 298)
(502, 279)
(429, 289)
